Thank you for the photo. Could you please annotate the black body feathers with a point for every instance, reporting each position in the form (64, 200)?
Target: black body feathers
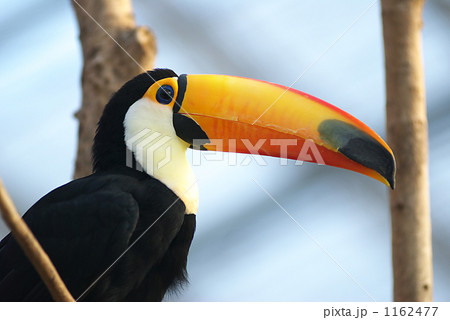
(87, 224)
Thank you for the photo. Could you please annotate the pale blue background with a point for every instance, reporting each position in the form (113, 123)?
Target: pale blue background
(245, 248)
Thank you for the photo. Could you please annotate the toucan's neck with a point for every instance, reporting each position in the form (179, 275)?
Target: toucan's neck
(143, 138)
(151, 138)
(124, 139)
(109, 148)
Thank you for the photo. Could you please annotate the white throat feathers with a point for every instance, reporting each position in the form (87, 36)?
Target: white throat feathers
(150, 135)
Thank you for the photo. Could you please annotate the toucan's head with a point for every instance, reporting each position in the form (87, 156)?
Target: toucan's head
(156, 116)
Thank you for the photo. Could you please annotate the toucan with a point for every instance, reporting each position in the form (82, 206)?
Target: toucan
(123, 233)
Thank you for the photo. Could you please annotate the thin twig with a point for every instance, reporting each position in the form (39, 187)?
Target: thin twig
(32, 248)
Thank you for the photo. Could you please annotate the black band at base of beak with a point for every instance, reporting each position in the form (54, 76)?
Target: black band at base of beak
(188, 130)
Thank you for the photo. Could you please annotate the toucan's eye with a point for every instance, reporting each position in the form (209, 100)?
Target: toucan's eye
(164, 95)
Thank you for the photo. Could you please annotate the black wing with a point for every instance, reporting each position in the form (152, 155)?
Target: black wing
(84, 226)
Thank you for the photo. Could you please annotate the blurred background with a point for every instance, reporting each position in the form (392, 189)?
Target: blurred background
(246, 248)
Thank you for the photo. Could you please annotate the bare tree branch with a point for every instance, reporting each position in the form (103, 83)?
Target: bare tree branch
(408, 137)
(114, 51)
(32, 248)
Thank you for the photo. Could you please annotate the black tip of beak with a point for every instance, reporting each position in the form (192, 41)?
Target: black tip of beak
(359, 147)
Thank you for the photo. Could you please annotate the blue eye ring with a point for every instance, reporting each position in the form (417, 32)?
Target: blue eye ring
(164, 95)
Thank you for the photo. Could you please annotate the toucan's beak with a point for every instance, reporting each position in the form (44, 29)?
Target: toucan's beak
(250, 116)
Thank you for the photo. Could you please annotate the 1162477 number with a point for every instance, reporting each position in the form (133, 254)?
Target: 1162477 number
(410, 311)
